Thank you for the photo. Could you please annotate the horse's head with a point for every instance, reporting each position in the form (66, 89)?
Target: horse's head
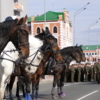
(79, 50)
(51, 42)
(19, 36)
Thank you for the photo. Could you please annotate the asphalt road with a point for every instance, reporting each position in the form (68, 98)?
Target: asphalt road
(74, 91)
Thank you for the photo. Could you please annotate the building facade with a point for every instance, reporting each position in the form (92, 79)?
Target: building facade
(58, 23)
(14, 8)
(92, 52)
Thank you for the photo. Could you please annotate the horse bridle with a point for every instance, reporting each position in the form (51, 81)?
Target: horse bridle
(47, 42)
(81, 54)
(21, 28)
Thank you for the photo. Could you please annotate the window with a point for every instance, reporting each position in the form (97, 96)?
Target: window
(86, 53)
(55, 29)
(95, 53)
(92, 53)
(16, 13)
(38, 30)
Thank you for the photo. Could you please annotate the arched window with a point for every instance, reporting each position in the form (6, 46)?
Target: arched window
(38, 30)
(55, 29)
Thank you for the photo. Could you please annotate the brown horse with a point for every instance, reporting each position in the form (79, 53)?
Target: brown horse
(17, 32)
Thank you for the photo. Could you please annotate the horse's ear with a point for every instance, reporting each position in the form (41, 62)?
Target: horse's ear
(76, 45)
(21, 21)
(43, 31)
(47, 30)
(81, 45)
(25, 19)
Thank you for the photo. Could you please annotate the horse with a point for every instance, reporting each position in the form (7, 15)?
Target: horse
(58, 71)
(10, 60)
(50, 47)
(17, 32)
(68, 54)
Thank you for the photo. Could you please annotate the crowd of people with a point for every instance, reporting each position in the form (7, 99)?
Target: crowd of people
(83, 72)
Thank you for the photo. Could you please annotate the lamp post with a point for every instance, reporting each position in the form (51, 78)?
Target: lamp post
(44, 16)
(76, 13)
(97, 47)
(92, 24)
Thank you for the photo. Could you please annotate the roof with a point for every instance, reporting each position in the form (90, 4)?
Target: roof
(50, 16)
(91, 47)
(29, 19)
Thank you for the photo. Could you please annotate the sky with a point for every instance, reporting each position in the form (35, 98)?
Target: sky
(86, 31)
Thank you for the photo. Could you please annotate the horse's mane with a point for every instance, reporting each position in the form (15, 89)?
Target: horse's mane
(6, 26)
(66, 49)
(40, 36)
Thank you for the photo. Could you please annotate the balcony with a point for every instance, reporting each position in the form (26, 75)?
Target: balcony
(18, 7)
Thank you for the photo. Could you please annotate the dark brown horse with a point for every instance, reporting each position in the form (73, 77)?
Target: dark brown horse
(17, 32)
(58, 70)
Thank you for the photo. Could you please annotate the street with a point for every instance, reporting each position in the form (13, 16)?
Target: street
(74, 91)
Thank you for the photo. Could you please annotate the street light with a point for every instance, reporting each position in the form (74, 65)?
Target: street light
(92, 24)
(97, 46)
(76, 13)
(44, 16)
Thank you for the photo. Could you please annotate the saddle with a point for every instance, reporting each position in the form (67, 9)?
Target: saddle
(50, 65)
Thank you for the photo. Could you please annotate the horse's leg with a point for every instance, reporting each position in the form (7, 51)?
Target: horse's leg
(23, 90)
(62, 86)
(17, 91)
(53, 88)
(27, 83)
(58, 87)
(33, 91)
(37, 91)
(12, 79)
(2, 86)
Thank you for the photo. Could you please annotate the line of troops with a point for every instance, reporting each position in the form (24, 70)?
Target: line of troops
(83, 72)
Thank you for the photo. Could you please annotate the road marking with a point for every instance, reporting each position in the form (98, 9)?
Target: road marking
(78, 83)
(87, 95)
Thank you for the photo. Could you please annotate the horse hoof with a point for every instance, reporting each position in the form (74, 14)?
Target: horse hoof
(19, 99)
(63, 94)
(37, 99)
(54, 97)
